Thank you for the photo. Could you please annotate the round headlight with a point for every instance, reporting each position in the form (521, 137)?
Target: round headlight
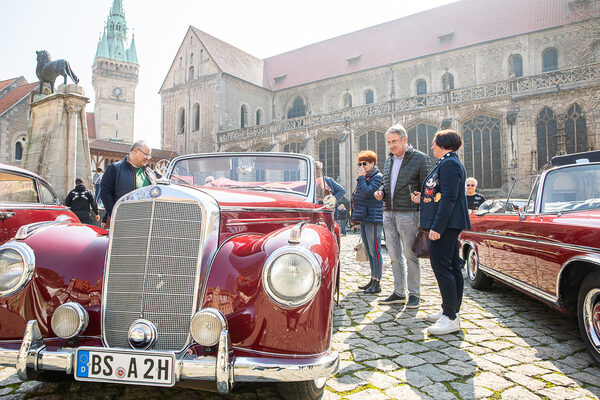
(69, 320)
(17, 264)
(292, 276)
(206, 326)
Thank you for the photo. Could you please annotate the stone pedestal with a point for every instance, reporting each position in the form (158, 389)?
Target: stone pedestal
(57, 148)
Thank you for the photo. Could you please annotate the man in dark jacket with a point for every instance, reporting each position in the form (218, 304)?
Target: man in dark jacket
(404, 171)
(125, 176)
(80, 200)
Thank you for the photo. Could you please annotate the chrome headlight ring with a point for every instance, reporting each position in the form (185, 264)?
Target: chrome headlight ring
(27, 269)
(291, 276)
(206, 326)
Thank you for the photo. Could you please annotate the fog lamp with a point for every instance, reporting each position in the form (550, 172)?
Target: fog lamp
(206, 326)
(17, 263)
(69, 320)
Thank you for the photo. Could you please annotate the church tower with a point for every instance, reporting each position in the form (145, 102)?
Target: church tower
(115, 77)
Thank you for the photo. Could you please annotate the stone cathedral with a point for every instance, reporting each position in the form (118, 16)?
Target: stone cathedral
(518, 79)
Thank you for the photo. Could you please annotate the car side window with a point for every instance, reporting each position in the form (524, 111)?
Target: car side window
(530, 209)
(519, 194)
(17, 188)
(46, 195)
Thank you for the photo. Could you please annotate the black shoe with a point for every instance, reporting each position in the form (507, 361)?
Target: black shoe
(374, 288)
(363, 287)
(394, 299)
(413, 302)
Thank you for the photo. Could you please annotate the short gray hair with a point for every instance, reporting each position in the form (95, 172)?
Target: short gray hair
(139, 144)
(398, 129)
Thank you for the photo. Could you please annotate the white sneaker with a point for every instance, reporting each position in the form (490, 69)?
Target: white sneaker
(444, 325)
(436, 315)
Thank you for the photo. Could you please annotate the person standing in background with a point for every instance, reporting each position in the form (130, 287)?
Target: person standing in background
(80, 200)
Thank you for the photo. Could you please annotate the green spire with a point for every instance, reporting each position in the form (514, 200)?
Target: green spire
(131, 52)
(102, 49)
(114, 40)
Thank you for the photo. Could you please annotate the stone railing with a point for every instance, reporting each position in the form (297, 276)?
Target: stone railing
(524, 85)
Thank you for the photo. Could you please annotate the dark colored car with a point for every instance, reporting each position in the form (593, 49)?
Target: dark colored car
(26, 198)
(543, 239)
(226, 272)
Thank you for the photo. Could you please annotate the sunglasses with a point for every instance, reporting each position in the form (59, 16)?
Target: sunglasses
(362, 163)
(470, 184)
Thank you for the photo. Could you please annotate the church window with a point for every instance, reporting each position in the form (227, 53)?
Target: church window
(293, 147)
(516, 66)
(117, 116)
(258, 117)
(298, 109)
(546, 128)
(447, 81)
(191, 74)
(375, 141)
(421, 87)
(369, 97)
(550, 60)
(420, 137)
(329, 155)
(482, 151)
(243, 116)
(181, 122)
(18, 151)
(192, 58)
(196, 117)
(575, 130)
(347, 100)
(180, 62)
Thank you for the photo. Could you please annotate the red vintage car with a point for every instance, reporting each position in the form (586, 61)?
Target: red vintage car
(225, 272)
(26, 198)
(543, 238)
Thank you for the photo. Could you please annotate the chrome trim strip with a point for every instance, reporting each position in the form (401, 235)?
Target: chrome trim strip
(224, 367)
(272, 209)
(32, 341)
(244, 222)
(28, 257)
(520, 284)
(591, 258)
(36, 206)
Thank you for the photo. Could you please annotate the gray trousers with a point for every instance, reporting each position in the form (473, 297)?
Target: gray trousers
(400, 231)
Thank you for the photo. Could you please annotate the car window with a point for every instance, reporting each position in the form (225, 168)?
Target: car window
(519, 194)
(572, 188)
(46, 195)
(533, 198)
(17, 188)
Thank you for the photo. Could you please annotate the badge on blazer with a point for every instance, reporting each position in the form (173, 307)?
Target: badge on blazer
(438, 196)
(427, 200)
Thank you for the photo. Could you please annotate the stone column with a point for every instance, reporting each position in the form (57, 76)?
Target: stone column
(58, 148)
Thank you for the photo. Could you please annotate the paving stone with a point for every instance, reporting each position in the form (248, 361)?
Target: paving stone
(498, 359)
(383, 364)
(559, 393)
(367, 394)
(434, 357)
(559, 380)
(518, 393)
(468, 391)
(405, 392)
(525, 381)
(10, 380)
(407, 348)
(587, 378)
(459, 368)
(30, 386)
(408, 360)
(492, 381)
(377, 379)
(5, 391)
(496, 345)
(348, 366)
(432, 372)
(529, 370)
(345, 383)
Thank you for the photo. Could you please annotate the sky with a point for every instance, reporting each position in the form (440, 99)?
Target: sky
(71, 29)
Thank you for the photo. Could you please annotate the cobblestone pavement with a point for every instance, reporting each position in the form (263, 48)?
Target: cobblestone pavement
(510, 347)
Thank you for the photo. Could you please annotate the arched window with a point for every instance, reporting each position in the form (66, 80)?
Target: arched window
(18, 151)
(550, 60)
(421, 87)
(375, 141)
(482, 151)
(329, 155)
(181, 123)
(191, 74)
(546, 128)
(243, 116)
(369, 97)
(258, 117)
(196, 117)
(347, 100)
(420, 137)
(447, 81)
(298, 109)
(575, 130)
(291, 147)
(192, 58)
(516, 66)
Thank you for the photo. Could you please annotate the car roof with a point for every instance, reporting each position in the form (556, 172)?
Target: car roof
(12, 168)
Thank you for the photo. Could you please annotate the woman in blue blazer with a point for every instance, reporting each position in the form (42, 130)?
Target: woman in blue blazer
(367, 210)
(444, 213)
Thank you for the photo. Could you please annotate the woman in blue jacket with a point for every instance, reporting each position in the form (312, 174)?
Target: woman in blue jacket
(444, 213)
(368, 211)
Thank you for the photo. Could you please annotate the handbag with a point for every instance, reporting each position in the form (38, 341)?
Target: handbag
(361, 252)
(421, 244)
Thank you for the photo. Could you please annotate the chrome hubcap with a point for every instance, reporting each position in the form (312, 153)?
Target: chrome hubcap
(472, 265)
(591, 316)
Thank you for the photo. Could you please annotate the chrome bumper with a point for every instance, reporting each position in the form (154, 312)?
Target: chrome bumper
(224, 369)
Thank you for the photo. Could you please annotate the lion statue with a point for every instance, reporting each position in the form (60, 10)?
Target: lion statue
(47, 70)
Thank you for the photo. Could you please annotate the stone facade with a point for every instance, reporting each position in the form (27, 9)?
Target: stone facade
(495, 103)
(14, 119)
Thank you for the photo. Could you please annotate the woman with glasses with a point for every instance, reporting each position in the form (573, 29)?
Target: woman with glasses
(368, 211)
(473, 199)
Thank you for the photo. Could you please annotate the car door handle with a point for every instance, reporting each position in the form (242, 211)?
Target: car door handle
(6, 214)
(492, 231)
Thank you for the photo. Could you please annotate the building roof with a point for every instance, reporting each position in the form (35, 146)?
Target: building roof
(15, 96)
(7, 82)
(450, 27)
(123, 148)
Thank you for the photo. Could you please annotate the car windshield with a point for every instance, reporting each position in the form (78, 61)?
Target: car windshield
(572, 189)
(510, 198)
(249, 172)
(17, 188)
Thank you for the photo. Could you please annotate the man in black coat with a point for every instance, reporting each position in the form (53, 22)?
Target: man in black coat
(80, 200)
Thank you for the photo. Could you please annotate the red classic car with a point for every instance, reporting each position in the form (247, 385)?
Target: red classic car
(225, 272)
(26, 198)
(543, 239)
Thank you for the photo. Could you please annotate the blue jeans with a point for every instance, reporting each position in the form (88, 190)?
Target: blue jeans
(342, 224)
(370, 232)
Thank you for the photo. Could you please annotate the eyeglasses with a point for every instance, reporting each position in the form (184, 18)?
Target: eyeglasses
(470, 184)
(362, 163)
(143, 152)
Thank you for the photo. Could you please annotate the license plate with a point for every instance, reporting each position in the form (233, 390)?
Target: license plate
(124, 366)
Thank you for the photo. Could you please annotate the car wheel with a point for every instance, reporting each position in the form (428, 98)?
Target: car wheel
(477, 279)
(588, 313)
(305, 390)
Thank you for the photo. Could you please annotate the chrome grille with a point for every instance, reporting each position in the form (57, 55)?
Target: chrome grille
(152, 269)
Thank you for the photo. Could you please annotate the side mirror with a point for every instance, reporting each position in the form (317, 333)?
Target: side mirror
(329, 202)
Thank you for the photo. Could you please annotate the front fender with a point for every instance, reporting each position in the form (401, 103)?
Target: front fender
(256, 323)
